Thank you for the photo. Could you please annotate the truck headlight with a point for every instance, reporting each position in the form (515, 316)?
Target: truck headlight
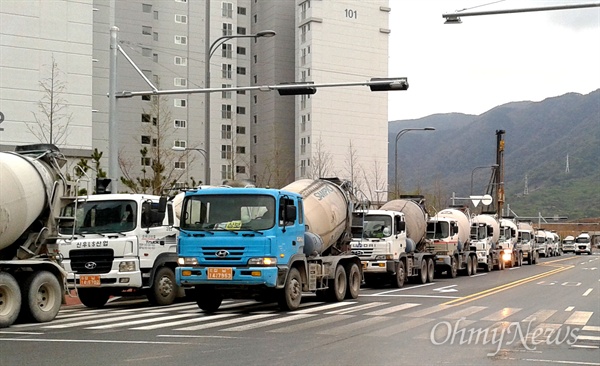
(263, 261)
(506, 256)
(127, 266)
(187, 261)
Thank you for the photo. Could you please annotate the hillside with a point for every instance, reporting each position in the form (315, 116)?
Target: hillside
(539, 137)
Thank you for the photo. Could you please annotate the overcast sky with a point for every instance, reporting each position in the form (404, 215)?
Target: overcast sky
(492, 59)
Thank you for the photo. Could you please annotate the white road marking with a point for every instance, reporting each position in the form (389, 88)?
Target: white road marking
(579, 318)
(570, 308)
(587, 292)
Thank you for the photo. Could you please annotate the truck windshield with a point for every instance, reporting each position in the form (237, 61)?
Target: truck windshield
(478, 232)
(582, 240)
(228, 212)
(524, 237)
(100, 217)
(377, 226)
(438, 230)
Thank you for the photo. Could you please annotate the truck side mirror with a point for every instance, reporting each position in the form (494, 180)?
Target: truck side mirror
(490, 231)
(290, 214)
(401, 226)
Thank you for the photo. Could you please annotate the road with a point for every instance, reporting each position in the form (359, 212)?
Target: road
(543, 314)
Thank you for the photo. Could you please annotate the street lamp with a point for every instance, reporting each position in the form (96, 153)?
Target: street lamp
(209, 52)
(400, 133)
(201, 151)
(493, 166)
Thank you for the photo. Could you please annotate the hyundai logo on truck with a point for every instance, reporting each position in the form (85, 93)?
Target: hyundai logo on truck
(222, 253)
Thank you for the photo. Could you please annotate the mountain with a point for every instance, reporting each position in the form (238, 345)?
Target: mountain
(540, 138)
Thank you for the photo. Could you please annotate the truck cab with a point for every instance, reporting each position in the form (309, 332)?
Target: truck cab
(568, 244)
(121, 244)
(508, 242)
(527, 243)
(583, 244)
(484, 240)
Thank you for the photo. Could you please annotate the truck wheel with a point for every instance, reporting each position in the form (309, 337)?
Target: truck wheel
(430, 270)
(164, 289)
(520, 259)
(208, 299)
(469, 270)
(337, 291)
(291, 293)
(489, 264)
(400, 276)
(453, 270)
(475, 264)
(42, 297)
(354, 281)
(10, 300)
(93, 298)
(423, 273)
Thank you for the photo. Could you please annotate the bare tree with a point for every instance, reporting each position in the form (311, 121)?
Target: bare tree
(376, 182)
(353, 168)
(53, 118)
(158, 155)
(321, 162)
(278, 171)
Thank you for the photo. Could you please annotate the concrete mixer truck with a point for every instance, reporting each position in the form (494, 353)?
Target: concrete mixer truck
(268, 244)
(449, 231)
(513, 256)
(526, 241)
(485, 231)
(390, 243)
(32, 193)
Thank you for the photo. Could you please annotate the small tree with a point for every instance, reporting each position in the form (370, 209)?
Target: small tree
(321, 162)
(52, 119)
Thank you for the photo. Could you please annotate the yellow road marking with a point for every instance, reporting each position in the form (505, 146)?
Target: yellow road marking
(506, 286)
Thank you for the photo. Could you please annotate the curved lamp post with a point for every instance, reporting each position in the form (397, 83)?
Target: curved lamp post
(493, 166)
(210, 50)
(398, 135)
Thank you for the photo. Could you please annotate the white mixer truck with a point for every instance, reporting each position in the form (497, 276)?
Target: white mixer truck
(268, 244)
(527, 243)
(485, 231)
(449, 231)
(390, 243)
(32, 193)
(513, 256)
(123, 244)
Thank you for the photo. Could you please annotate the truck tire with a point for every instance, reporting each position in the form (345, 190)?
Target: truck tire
(337, 290)
(423, 272)
(430, 270)
(453, 269)
(93, 298)
(164, 289)
(400, 276)
(41, 297)
(10, 300)
(489, 265)
(520, 259)
(469, 270)
(354, 281)
(208, 299)
(474, 266)
(290, 295)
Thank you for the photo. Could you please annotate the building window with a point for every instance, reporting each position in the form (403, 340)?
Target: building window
(146, 140)
(226, 172)
(146, 161)
(303, 9)
(181, 61)
(240, 169)
(240, 149)
(180, 165)
(226, 71)
(255, 18)
(241, 10)
(255, 139)
(180, 40)
(255, 58)
(240, 110)
(226, 152)
(255, 79)
(155, 13)
(255, 99)
(180, 103)
(227, 10)
(180, 123)
(155, 36)
(241, 70)
(302, 168)
(179, 143)
(241, 30)
(226, 94)
(154, 142)
(226, 50)
(227, 29)
(146, 52)
(145, 97)
(241, 92)
(226, 111)
(181, 1)
(180, 82)
(155, 57)
(226, 132)
(303, 57)
(146, 8)
(241, 50)
(240, 130)
(146, 118)
(303, 145)
(146, 30)
(180, 18)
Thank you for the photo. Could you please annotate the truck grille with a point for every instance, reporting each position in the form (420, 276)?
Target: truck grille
(225, 254)
(82, 259)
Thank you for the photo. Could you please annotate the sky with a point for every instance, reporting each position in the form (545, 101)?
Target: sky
(489, 60)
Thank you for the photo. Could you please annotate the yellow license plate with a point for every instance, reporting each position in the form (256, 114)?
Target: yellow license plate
(89, 281)
(220, 273)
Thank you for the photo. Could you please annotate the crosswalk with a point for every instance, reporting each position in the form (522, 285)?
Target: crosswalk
(373, 319)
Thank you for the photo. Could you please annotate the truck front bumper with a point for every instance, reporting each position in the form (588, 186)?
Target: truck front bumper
(113, 278)
(245, 276)
(378, 267)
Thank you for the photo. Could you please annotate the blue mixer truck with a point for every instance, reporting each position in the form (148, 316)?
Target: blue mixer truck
(271, 245)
